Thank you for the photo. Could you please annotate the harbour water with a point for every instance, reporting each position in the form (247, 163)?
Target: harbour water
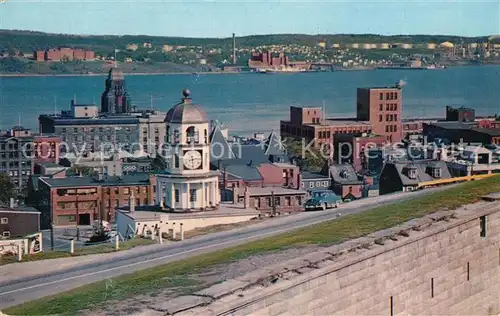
(256, 102)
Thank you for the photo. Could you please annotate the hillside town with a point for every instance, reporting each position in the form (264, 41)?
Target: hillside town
(321, 55)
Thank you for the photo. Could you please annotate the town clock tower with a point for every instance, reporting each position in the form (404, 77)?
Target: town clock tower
(187, 183)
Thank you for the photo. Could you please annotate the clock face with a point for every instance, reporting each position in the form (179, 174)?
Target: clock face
(192, 159)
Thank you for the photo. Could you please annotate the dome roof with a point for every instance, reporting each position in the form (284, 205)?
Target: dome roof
(186, 112)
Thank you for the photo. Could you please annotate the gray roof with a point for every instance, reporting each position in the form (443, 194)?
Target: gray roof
(186, 112)
(244, 172)
(421, 167)
(219, 146)
(455, 125)
(129, 179)
(274, 146)
(344, 174)
(306, 175)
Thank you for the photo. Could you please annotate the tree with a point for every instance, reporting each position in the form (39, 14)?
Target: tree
(313, 160)
(84, 170)
(158, 164)
(7, 189)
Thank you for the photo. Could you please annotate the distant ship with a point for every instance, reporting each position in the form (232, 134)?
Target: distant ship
(431, 67)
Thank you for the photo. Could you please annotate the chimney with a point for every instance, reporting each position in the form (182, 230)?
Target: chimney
(234, 49)
(11, 203)
(131, 202)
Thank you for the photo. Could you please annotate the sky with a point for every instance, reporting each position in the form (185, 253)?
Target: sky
(221, 18)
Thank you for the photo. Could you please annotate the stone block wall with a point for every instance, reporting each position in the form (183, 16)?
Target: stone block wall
(439, 265)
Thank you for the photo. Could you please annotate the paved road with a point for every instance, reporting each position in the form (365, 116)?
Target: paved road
(26, 289)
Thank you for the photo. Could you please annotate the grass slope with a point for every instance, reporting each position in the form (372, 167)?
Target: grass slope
(175, 273)
(89, 250)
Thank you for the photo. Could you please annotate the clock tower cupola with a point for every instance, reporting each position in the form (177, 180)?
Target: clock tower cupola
(187, 183)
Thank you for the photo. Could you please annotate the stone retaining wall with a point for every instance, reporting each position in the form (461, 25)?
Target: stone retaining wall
(437, 265)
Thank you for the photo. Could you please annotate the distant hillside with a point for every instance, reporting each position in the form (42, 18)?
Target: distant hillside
(27, 41)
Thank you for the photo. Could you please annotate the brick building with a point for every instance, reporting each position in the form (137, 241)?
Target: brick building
(63, 53)
(352, 148)
(466, 132)
(345, 181)
(18, 222)
(461, 114)
(309, 124)
(382, 108)
(68, 200)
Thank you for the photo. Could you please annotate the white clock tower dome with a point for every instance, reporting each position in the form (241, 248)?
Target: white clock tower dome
(187, 183)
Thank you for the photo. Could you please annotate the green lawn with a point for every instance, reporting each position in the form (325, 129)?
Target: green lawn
(88, 250)
(175, 273)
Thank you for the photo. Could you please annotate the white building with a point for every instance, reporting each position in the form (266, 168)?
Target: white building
(188, 183)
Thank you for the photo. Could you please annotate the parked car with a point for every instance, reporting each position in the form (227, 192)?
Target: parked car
(322, 199)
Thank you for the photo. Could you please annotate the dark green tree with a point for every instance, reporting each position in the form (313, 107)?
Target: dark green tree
(7, 189)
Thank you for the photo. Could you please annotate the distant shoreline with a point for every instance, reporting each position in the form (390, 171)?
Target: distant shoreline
(10, 75)
(126, 73)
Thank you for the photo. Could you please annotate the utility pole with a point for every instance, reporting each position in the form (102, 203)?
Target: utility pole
(51, 231)
(77, 218)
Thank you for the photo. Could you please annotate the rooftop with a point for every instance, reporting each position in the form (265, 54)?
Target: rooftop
(341, 122)
(306, 175)
(19, 209)
(155, 212)
(129, 179)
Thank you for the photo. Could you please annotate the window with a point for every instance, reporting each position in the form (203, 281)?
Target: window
(395, 96)
(72, 218)
(395, 128)
(6, 234)
(75, 130)
(482, 224)
(387, 116)
(192, 135)
(311, 185)
(192, 195)
(387, 96)
(177, 196)
(392, 305)
(288, 201)
(395, 117)
(381, 107)
(380, 118)
(387, 128)
(432, 287)
(176, 161)
(4, 220)
(277, 202)
(268, 202)
(387, 107)
(381, 96)
(468, 271)
(126, 191)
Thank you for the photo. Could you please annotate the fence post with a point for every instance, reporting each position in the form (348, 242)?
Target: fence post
(117, 242)
(182, 232)
(160, 236)
(72, 246)
(26, 246)
(19, 252)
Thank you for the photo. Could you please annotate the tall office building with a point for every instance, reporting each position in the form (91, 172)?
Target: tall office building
(115, 98)
(382, 107)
